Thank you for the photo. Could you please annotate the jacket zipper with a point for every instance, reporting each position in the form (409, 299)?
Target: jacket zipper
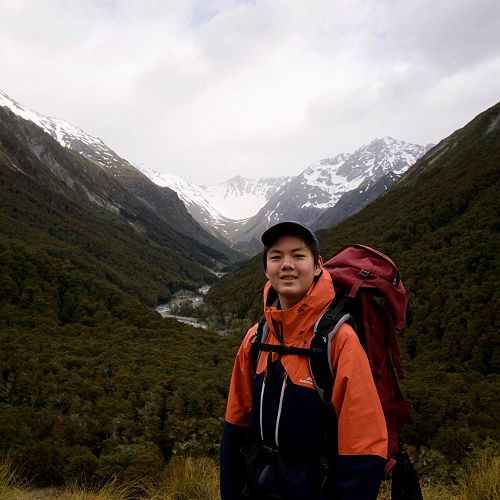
(278, 416)
(261, 405)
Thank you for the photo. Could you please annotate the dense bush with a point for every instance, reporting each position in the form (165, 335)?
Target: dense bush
(93, 382)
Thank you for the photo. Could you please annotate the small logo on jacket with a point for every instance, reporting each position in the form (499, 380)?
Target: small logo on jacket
(308, 380)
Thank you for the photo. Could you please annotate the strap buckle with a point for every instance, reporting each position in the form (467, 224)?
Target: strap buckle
(364, 273)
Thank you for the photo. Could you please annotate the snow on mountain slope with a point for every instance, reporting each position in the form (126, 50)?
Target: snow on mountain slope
(330, 178)
(94, 149)
(323, 183)
(193, 197)
(240, 208)
(190, 194)
(67, 135)
(242, 197)
(221, 208)
(112, 183)
(237, 198)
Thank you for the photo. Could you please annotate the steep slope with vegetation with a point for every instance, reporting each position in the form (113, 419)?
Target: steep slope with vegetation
(440, 223)
(92, 382)
(120, 190)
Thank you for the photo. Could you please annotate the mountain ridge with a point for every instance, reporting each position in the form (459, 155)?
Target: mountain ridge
(48, 195)
(234, 213)
(304, 197)
(320, 186)
(102, 185)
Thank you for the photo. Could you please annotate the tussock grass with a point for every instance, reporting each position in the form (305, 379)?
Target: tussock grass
(481, 478)
(186, 478)
(429, 492)
(112, 490)
(11, 488)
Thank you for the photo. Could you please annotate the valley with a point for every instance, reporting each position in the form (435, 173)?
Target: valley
(92, 250)
(307, 197)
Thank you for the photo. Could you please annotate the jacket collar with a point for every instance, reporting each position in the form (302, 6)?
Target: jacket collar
(300, 318)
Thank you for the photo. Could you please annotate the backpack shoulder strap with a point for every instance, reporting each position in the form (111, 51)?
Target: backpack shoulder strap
(259, 338)
(325, 329)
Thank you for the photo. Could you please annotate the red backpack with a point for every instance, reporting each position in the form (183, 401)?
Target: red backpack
(370, 296)
(368, 286)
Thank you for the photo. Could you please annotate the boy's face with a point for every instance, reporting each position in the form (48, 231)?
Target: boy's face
(290, 269)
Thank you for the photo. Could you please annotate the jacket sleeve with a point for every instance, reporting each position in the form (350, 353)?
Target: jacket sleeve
(362, 431)
(239, 405)
(232, 468)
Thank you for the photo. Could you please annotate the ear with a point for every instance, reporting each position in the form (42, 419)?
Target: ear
(319, 266)
(266, 273)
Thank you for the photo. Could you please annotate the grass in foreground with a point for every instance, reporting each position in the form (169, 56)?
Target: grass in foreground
(186, 478)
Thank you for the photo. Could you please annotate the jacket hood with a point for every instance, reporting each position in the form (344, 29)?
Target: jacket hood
(296, 320)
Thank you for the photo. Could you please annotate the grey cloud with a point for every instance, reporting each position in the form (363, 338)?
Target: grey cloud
(207, 90)
(447, 36)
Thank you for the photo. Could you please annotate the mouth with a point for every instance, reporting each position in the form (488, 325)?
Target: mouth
(288, 278)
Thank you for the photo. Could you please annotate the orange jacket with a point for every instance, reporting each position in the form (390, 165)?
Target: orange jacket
(361, 425)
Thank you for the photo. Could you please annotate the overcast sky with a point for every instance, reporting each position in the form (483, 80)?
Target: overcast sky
(212, 89)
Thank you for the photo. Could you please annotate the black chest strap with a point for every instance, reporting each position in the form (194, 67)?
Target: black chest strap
(319, 351)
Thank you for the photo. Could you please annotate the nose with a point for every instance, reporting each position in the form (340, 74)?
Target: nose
(287, 263)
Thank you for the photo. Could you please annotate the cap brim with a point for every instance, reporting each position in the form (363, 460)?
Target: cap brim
(288, 228)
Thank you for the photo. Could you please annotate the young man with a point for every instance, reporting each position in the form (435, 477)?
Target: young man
(280, 439)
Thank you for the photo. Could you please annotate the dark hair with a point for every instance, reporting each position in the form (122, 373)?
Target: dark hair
(309, 244)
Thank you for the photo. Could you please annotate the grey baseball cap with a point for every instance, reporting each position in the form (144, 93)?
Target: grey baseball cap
(269, 236)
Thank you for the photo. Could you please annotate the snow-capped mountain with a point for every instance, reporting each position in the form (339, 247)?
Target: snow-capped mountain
(353, 201)
(238, 210)
(322, 184)
(111, 182)
(240, 197)
(67, 135)
(220, 208)
(194, 199)
(236, 199)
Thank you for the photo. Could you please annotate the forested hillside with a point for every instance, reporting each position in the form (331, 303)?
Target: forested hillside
(440, 224)
(118, 195)
(94, 383)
